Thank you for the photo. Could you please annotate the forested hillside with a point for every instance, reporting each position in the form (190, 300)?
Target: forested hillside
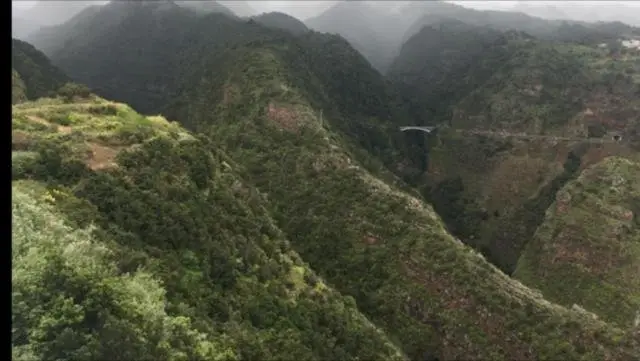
(369, 240)
(140, 240)
(169, 59)
(521, 116)
(277, 215)
(444, 62)
(33, 75)
(105, 165)
(587, 250)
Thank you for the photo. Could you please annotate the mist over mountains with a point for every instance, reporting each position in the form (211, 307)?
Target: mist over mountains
(353, 180)
(376, 29)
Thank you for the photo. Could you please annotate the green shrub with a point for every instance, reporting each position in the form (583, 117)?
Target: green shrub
(71, 91)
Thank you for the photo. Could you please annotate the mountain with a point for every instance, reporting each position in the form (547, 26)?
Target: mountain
(206, 7)
(582, 12)
(48, 13)
(440, 64)
(83, 29)
(240, 8)
(378, 30)
(308, 125)
(435, 11)
(33, 75)
(87, 40)
(374, 32)
(22, 28)
(511, 105)
(282, 21)
(49, 38)
(110, 67)
(208, 277)
(544, 11)
(586, 251)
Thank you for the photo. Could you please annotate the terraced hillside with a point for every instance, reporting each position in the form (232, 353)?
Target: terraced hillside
(587, 251)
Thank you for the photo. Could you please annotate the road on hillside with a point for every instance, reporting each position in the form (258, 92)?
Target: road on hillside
(505, 134)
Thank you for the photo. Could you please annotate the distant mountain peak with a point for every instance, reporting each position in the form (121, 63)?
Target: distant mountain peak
(279, 20)
(206, 7)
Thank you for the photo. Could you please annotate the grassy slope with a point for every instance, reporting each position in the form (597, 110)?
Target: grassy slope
(180, 235)
(372, 241)
(587, 251)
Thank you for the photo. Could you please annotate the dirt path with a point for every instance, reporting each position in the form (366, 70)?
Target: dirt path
(61, 128)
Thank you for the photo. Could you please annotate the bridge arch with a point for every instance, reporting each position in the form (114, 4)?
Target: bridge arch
(424, 129)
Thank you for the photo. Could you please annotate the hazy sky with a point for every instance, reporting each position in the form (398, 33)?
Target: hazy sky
(306, 9)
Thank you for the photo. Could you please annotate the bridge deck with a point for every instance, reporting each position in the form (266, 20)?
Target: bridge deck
(424, 129)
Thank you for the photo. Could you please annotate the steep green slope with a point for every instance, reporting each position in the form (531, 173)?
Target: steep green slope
(444, 62)
(371, 240)
(587, 251)
(519, 113)
(140, 52)
(294, 114)
(85, 304)
(550, 86)
(169, 58)
(143, 242)
(32, 72)
(567, 93)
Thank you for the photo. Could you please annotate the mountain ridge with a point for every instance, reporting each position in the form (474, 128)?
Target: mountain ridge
(604, 194)
(219, 282)
(288, 149)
